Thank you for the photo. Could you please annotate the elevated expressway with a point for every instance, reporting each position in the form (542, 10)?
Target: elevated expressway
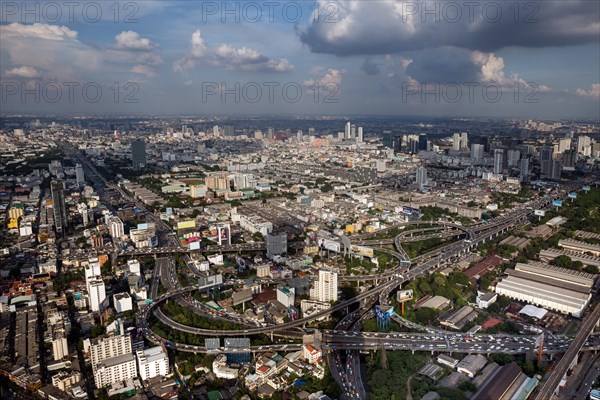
(391, 281)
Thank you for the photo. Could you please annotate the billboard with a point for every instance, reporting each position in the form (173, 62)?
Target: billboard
(169, 211)
(195, 245)
(186, 224)
(404, 295)
(154, 241)
(328, 244)
(573, 195)
(223, 234)
(361, 251)
(557, 203)
(409, 211)
(586, 188)
(142, 227)
(539, 213)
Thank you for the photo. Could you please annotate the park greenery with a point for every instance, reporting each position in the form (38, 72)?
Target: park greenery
(391, 383)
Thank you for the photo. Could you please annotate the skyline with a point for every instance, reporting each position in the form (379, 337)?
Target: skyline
(549, 49)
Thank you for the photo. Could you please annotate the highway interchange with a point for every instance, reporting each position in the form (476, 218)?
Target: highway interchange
(351, 339)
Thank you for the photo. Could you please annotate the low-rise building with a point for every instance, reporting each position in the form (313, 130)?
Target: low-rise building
(471, 364)
(311, 354)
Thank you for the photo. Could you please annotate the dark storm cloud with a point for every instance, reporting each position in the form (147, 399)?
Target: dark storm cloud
(370, 67)
(384, 27)
(450, 64)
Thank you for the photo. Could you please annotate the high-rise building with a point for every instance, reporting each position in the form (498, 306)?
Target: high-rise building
(388, 139)
(421, 176)
(59, 347)
(584, 145)
(546, 153)
(556, 170)
(326, 287)
(270, 133)
(286, 296)
(96, 293)
(360, 138)
(410, 144)
(218, 182)
(422, 141)
(108, 347)
(477, 151)
(569, 158)
(115, 225)
(153, 362)
(276, 244)
(299, 136)
(456, 141)
(138, 154)
(352, 132)
(115, 369)
(347, 130)
(498, 161)
(464, 140)
(58, 206)
(228, 130)
(524, 170)
(79, 175)
(513, 158)
(93, 268)
(564, 144)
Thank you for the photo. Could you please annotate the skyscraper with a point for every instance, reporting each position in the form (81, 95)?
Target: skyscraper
(546, 160)
(422, 141)
(569, 158)
(513, 158)
(556, 170)
(477, 151)
(583, 145)
(352, 132)
(456, 142)
(464, 140)
(524, 170)
(58, 204)
(79, 175)
(347, 130)
(564, 145)
(138, 154)
(498, 161)
(421, 176)
(388, 139)
(360, 138)
(299, 136)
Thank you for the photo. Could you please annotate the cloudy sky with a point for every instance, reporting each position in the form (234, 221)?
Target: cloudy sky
(377, 57)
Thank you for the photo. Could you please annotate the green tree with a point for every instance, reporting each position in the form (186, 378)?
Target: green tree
(563, 262)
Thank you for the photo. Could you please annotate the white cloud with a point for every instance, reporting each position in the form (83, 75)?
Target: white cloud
(37, 31)
(592, 93)
(132, 41)
(56, 53)
(198, 47)
(332, 76)
(23, 72)
(492, 71)
(228, 57)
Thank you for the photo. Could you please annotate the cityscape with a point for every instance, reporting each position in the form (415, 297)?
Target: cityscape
(193, 219)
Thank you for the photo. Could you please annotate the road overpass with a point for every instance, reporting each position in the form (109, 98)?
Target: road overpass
(551, 382)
